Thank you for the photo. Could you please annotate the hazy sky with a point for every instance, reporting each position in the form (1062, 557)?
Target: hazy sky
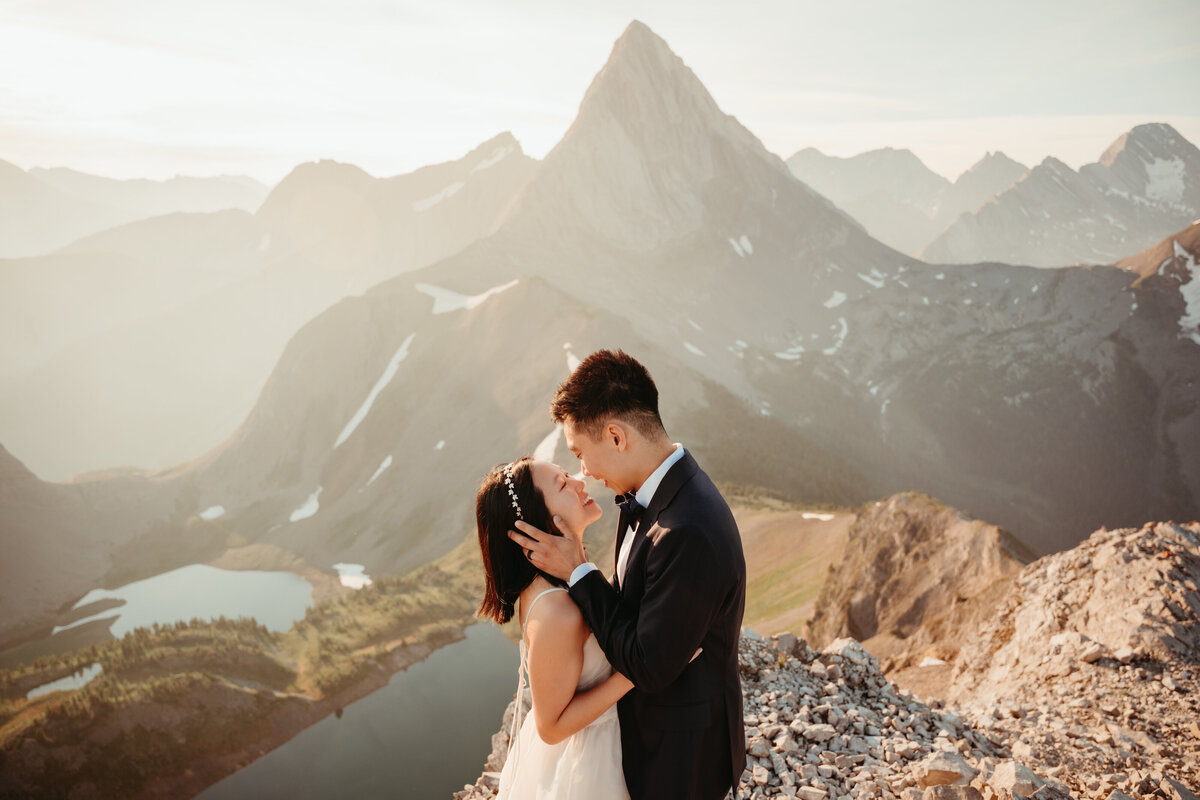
(151, 88)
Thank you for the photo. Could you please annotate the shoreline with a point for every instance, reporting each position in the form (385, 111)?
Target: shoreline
(254, 557)
(295, 714)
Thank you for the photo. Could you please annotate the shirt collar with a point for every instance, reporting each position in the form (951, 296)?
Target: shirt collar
(646, 493)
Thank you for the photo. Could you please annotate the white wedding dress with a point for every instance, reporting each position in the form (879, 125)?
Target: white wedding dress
(587, 765)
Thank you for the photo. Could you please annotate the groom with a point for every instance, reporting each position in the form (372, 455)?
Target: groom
(670, 619)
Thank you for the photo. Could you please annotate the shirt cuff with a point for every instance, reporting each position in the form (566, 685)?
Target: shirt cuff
(580, 571)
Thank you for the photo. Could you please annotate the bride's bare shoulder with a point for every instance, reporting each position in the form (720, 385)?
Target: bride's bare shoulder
(556, 612)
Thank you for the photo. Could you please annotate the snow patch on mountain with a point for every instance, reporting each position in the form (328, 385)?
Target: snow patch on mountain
(388, 373)
(212, 512)
(433, 200)
(875, 278)
(495, 158)
(691, 348)
(445, 300)
(836, 300)
(310, 507)
(546, 449)
(572, 359)
(387, 462)
(737, 248)
(353, 576)
(1164, 179)
(746, 246)
(841, 337)
(1189, 323)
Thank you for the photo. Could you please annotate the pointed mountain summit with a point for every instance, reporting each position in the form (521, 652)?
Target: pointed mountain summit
(652, 159)
(987, 177)
(658, 103)
(1155, 162)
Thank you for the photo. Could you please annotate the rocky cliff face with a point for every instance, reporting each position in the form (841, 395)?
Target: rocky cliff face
(1069, 690)
(1125, 595)
(915, 578)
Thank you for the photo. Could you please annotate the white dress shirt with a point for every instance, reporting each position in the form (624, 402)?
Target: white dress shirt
(644, 495)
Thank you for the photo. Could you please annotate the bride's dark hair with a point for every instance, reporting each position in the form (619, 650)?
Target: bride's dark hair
(506, 570)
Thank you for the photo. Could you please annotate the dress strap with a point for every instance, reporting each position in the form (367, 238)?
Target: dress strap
(533, 603)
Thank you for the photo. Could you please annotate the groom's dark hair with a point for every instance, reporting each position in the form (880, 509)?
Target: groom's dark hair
(607, 385)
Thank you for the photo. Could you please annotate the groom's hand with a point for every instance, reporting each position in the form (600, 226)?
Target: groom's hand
(554, 555)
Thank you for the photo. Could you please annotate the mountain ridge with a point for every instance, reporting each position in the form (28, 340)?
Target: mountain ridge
(854, 371)
(1145, 185)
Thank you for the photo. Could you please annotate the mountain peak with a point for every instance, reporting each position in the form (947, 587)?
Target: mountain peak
(995, 163)
(1151, 140)
(643, 80)
(646, 145)
(638, 34)
(1054, 165)
(995, 157)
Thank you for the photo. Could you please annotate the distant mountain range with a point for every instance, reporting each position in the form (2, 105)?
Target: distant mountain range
(148, 343)
(1144, 187)
(793, 351)
(42, 210)
(899, 200)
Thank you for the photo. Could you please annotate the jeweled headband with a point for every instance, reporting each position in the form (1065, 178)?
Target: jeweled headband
(512, 489)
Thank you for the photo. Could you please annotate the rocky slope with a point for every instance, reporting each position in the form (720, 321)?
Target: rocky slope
(1101, 643)
(57, 538)
(829, 724)
(916, 580)
(1145, 185)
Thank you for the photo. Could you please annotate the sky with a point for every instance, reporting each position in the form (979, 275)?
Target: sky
(154, 88)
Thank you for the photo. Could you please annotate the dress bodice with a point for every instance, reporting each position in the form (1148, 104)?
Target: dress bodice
(586, 765)
(595, 665)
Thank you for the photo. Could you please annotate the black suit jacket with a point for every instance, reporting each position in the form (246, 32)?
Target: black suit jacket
(685, 587)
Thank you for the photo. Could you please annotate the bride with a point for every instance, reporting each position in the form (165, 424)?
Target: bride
(569, 745)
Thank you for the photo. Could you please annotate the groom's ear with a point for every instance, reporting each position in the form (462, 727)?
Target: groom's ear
(618, 434)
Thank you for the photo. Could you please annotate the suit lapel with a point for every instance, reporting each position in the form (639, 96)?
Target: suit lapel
(679, 474)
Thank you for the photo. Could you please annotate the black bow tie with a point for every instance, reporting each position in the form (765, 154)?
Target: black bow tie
(631, 509)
